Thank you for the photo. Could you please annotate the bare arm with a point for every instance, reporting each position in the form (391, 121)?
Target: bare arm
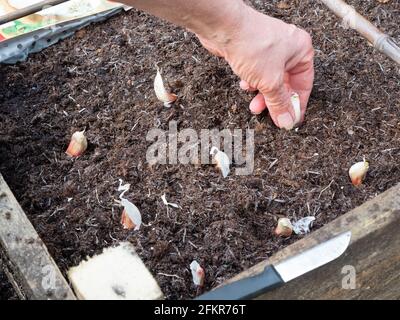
(269, 55)
(204, 17)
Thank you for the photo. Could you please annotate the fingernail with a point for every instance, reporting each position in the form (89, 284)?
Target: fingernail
(285, 121)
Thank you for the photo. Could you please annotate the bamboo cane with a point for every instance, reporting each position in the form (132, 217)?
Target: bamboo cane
(17, 14)
(353, 19)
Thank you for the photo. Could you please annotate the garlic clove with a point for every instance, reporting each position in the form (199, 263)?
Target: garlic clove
(284, 228)
(162, 94)
(303, 225)
(198, 273)
(358, 171)
(222, 161)
(131, 217)
(295, 98)
(77, 145)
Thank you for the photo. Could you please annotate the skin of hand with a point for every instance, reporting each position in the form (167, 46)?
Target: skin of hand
(267, 54)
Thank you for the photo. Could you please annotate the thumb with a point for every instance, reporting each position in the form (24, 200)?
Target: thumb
(280, 107)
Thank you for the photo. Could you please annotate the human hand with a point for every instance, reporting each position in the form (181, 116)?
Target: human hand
(272, 57)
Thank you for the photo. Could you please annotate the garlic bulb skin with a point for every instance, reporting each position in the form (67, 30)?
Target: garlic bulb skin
(357, 172)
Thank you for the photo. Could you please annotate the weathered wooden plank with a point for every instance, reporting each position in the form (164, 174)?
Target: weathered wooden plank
(374, 253)
(26, 255)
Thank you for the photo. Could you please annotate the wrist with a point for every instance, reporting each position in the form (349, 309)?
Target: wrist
(223, 28)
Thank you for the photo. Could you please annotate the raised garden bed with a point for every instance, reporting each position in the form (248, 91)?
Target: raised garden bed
(101, 80)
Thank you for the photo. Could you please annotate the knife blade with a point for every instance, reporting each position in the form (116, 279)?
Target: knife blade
(276, 275)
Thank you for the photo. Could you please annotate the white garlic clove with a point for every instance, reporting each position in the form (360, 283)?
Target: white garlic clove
(198, 273)
(295, 98)
(77, 145)
(131, 217)
(284, 228)
(303, 225)
(358, 171)
(162, 94)
(222, 161)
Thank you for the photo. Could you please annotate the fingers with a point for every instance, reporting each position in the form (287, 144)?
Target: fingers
(280, 107)
(257, 105)
(301, 81)
(278, 103)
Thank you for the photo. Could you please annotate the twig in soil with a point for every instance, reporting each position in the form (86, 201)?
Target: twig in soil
(43, 154)
(326, 188)
(71, 98)
(136, 123)
(314, 172)
(177, 250)
(231, 252)
(98, 200)
(192, 244)
(272, 164)
(114, 239)
(389, 150)
(361, 128)
(57, 210)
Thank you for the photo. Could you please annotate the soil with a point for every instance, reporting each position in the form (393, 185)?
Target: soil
(102, 80)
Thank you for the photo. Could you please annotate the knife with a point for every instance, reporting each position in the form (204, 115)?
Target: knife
(276, 275)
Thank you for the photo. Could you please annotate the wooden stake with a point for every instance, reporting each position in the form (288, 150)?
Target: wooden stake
(354, 20)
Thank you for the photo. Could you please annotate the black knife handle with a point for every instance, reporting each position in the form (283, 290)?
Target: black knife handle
(246, 288)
